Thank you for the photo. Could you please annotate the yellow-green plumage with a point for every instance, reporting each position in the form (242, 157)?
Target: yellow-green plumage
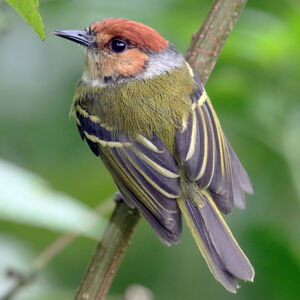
(144, 112)
(137, 126)
(141, 106)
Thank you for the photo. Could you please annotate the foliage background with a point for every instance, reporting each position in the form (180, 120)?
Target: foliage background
(255, 91)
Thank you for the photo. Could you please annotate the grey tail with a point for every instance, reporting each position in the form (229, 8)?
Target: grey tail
(240, 180)
(224, 257)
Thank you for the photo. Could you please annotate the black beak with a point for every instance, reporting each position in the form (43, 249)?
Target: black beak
(78, 36)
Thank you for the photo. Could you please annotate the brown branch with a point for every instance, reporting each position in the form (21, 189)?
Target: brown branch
(109, 253)
(202, 55)
(209, 40)
(23, 279)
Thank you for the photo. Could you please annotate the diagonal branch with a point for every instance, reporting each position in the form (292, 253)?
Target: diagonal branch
(209, 40)
(109, 253)
(23, 279)
(202, 55)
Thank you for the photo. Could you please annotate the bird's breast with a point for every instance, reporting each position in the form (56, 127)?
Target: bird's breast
(139, 107)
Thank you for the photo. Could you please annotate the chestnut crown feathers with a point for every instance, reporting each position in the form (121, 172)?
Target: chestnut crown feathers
(119, 49)
(137, 34)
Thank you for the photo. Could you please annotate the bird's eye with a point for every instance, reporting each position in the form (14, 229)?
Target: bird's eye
(117, 45)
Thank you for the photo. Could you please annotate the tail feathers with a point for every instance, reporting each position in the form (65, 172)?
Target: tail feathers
(240, 180)
(224, 257)
(240, 172)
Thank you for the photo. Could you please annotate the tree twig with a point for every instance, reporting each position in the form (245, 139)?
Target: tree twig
(58, 245)
(109, 253)
(22, 279)
(202, 55)
(209, 40)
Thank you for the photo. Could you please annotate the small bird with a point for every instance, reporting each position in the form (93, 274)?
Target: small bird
(144, 112)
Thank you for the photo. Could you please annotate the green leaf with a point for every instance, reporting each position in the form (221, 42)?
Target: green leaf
(28, 9)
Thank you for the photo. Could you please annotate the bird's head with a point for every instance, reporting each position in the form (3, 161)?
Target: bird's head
(119, 50)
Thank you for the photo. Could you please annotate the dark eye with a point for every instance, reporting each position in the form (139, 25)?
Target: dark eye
(117, 45)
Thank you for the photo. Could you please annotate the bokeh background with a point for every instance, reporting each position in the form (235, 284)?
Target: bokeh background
(50, 182)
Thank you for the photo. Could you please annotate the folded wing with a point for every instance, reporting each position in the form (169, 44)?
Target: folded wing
(207, 157)
(145, 172)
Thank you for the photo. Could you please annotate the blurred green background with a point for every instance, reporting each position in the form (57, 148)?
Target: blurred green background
(255, 91)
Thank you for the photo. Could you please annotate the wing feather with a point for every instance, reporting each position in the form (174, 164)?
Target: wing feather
(207, 157)
(145, 172)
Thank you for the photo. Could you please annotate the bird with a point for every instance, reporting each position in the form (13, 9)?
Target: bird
(142, 109)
